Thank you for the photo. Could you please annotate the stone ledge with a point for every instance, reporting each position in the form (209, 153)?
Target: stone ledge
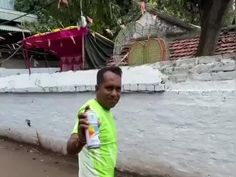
(224, 75)
(200, 69)
(87, 88)
(203, 93)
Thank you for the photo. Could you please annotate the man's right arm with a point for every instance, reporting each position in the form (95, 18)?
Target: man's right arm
(75, 144)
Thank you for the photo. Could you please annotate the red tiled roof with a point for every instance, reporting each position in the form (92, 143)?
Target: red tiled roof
(188, 47)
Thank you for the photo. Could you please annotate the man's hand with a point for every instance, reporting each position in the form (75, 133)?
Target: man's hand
(77, 141)
(83, 124)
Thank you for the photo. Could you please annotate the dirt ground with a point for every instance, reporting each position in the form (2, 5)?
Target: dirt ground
(24, 160)
(21, 160)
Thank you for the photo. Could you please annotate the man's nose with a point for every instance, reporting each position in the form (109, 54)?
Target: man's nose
(114, 93)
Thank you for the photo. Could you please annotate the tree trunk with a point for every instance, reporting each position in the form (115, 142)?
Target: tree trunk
(211, 20)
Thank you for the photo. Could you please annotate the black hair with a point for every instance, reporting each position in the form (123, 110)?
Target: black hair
(114, 69)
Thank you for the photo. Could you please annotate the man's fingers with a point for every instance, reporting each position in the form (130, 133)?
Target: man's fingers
(82, 116)
(82, 126)
(83, 121)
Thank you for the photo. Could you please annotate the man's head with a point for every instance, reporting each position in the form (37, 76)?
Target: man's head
(108, 88)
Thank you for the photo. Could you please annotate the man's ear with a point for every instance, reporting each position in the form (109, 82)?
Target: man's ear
(96, 87)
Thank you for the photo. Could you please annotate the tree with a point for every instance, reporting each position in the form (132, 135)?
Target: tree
(105, 14)
(110, 14)
(208, 13)
(213, 12)
(46, 21)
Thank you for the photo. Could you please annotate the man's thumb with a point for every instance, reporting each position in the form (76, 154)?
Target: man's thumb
(86, 108)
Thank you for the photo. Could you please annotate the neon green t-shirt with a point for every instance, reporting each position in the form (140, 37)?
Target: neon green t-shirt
(99, 162)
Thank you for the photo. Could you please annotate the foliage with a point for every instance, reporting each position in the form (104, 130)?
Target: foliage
(111, 14)
(188, 10)
(105, 14)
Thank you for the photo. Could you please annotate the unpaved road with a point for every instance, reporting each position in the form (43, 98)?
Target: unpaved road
(20, 160)
(24, 160)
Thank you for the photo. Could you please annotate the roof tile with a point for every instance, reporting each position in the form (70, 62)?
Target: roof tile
(188, 47)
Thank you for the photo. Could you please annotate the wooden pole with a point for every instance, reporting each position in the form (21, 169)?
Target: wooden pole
(27, 60)
(83, 52)
(235, 34)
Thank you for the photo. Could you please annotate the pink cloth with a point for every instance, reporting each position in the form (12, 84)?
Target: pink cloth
(65, 44)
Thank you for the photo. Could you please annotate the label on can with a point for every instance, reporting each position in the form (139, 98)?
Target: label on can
(92, 133)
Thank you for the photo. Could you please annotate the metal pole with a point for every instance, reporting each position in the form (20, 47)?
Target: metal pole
(81, 7)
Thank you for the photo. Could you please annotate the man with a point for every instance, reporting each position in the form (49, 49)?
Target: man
(99, 162)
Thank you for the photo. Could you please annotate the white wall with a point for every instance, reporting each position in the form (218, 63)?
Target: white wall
(188, 130)
(191, 132)
(200, 69)
(9, 72)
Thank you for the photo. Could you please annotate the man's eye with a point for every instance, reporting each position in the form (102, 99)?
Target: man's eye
(118, 89)
(109, 88)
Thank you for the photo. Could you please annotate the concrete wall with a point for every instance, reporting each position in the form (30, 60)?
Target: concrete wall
(187, 133)
(9, 72)
(188, 130)
(200, 69)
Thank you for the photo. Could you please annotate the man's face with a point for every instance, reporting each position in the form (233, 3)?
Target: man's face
(108, 92)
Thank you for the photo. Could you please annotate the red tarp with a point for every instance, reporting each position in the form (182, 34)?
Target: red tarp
(66, 44)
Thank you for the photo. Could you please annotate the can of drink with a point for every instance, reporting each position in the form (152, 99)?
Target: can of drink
(92, 133)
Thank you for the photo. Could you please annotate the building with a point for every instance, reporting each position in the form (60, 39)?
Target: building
(155, 36)
(8, 13)
(10, 31)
